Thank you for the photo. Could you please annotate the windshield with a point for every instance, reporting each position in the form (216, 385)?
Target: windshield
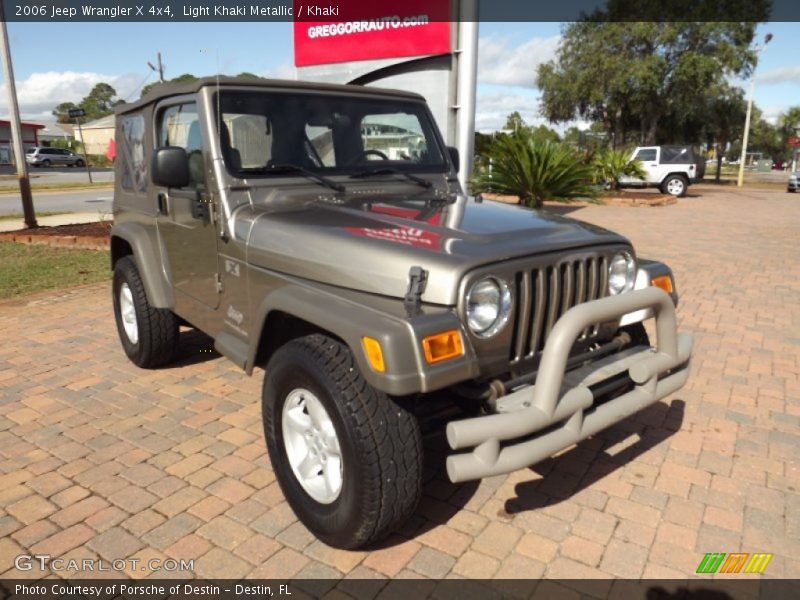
(325, 134)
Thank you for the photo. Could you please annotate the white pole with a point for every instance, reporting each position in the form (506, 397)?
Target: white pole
(467, 53)
(740, 179)
(758, 49)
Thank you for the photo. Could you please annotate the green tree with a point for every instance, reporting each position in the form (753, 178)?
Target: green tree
(630, 76)
(61, 112)
(724, 122)
(534, 171)
(100, 101)
(184, 78)
(515, 122)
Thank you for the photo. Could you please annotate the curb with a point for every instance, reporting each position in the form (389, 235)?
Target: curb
(83, 242)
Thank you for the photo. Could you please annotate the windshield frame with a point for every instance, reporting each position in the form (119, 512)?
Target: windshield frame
(412, 106)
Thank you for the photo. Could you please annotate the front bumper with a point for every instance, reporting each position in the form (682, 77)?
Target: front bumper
(559, 410)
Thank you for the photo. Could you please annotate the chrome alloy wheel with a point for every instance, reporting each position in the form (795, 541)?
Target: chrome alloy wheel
(128, 312)
(312, 446)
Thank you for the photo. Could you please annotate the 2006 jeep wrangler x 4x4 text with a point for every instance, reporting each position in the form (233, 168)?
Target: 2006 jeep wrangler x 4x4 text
(320, 231)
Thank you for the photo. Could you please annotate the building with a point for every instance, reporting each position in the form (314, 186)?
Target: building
(96, 135)
(30, 138)
(56, 131)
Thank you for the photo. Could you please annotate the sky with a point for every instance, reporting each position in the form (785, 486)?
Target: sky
(56, 63)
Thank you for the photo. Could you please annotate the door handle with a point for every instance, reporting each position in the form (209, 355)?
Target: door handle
(162, 204)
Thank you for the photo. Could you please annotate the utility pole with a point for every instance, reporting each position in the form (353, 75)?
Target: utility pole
(16, 131)
(758, 49)
(159, 69)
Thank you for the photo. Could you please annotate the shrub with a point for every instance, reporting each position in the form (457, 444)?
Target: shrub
(534, 171)
(611, 165)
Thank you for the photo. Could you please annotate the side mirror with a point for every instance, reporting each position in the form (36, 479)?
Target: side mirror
(170, 167)
(454, 158)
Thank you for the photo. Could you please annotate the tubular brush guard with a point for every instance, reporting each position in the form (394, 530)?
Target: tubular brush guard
(656, 373)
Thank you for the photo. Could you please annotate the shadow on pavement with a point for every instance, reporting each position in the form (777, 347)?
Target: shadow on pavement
(194, 348)
(589, 461)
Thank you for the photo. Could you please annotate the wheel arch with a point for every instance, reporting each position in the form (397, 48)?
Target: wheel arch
(280, 328)
(680, 174)
(132, 239)
(315, 309)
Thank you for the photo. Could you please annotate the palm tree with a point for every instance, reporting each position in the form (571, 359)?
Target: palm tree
(611, 165)
(534, 171)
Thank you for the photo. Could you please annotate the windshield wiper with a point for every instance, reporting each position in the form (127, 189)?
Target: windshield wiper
(390, 171)
(289, 168)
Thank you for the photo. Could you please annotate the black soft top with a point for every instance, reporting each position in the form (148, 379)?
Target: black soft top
(165, 90)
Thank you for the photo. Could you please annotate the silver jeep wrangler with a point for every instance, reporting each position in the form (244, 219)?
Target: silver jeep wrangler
(320, 232)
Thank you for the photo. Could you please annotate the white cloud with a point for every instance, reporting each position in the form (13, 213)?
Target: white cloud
(39, 94)
(493, 108)
(779, 75)
(502, 64)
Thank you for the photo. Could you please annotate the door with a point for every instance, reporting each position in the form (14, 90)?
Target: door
(185, 215)
(648, 157)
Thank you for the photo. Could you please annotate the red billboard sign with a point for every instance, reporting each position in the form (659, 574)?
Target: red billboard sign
(793, 141)
(370, 31)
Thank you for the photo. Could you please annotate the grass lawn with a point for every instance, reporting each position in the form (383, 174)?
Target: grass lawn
(38, 214)
(25, 269)
(67, 185)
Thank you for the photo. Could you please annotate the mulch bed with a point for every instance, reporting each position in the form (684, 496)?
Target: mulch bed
(93, 236)
(621, 198)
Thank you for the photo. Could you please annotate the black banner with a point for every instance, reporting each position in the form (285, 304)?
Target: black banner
(165, 11)
(405, 589)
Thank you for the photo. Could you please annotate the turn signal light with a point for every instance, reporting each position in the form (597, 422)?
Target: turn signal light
(374, 353)
(442, 346)
(664, 282)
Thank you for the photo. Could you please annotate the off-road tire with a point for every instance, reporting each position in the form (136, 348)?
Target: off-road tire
(380, 442)
(157, 327)
(665, 185)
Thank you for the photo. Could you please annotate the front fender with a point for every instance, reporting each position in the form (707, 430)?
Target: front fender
(145, 244)
(352, 315)
(649, 270)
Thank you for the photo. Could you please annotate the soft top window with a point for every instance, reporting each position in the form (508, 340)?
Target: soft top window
(676, 154)
(327, 134)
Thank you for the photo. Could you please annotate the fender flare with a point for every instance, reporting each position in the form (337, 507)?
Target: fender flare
(349, 320)
(147, 254)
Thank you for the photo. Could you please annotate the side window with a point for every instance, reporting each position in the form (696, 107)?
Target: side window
(646, 154)
(131, 163)
(180, 126)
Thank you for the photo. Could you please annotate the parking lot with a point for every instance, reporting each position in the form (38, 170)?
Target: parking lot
(101, 459)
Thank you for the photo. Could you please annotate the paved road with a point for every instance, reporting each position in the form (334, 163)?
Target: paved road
(77, 201)
(57, 175)
(99, 458)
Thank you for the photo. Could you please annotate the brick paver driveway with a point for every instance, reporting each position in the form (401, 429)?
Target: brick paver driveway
(100, 459)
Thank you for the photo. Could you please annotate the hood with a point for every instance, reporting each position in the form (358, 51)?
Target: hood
(370, 244)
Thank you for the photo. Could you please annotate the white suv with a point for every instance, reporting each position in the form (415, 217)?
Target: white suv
(670, 168)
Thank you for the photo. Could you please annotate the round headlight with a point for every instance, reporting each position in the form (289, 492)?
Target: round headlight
(621, 273)
(488, 306)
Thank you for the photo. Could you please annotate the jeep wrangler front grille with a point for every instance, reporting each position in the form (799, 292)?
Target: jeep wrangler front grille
(544, 294)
